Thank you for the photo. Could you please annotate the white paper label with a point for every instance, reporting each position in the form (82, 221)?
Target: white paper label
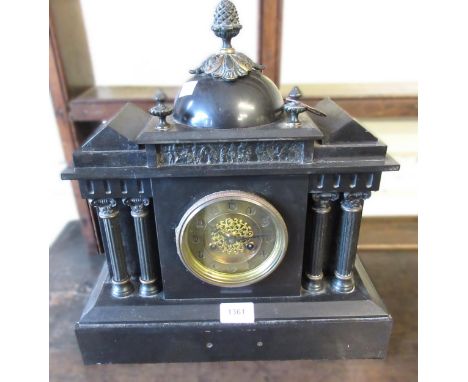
(188, 88)
(237, 313)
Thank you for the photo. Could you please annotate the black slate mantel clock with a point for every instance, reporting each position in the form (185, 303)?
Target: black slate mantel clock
(230, 223)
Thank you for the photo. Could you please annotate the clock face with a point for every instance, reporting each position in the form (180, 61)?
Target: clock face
(231, 238)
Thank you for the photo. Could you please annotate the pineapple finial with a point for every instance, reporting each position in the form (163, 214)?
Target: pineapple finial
(226, 23)
(228, 64)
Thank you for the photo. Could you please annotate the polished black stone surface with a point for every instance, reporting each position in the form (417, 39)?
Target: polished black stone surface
(73, 274)
(213, 103)
(318, 327)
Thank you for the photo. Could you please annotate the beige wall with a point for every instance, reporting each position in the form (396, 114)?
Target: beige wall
(142, 42)
(350, 41)
(398, 193)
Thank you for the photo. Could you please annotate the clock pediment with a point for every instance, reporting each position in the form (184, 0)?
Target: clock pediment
(120, 132)
(339, 126)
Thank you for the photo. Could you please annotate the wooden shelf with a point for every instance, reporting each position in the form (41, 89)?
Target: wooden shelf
(389, 233)
(102, 102)
(376, 100)
(360, 100)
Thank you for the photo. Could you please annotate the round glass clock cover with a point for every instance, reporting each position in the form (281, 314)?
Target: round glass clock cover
(231, 238)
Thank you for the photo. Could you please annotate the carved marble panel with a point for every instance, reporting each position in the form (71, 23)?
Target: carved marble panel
(231, 153)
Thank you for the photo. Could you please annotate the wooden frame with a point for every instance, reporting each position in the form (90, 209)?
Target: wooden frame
(69, 74)
(270, 32)
(80, 105)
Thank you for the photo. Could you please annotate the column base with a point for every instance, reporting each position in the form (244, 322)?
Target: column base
(343, 284)
(121, 289)
(148, 288)
(313, 284)
(141, 330)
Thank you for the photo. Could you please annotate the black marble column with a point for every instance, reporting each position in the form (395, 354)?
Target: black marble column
(348, 235)
(108, 214)
(139, 211)
(319, 241)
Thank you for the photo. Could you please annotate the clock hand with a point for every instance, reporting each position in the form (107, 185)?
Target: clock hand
(222, 234)
(227, 236)
(247, 238)
(255, 236)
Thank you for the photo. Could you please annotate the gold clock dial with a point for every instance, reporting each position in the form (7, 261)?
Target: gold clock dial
(231, 238)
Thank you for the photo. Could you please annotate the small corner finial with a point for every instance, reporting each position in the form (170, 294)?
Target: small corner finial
(294, 107)
(161, 110)
(159, 97)
(295, 93)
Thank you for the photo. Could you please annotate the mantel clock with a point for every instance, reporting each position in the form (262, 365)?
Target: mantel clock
(230, 223)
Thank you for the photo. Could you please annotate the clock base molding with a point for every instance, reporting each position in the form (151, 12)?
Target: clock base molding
(310, 326)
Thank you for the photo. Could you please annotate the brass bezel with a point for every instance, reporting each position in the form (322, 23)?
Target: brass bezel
(236, 280)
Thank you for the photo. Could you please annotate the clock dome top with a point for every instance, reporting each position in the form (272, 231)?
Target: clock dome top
(228, 90)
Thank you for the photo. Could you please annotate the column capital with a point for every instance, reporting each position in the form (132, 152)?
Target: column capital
(137, 206)
(322, 200)
(354, 200)
(106, 207)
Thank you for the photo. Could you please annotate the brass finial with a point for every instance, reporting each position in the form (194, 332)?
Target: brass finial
(228, 64)
(295, 93)
(161, 110)
(294, 107)
(226, 23)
